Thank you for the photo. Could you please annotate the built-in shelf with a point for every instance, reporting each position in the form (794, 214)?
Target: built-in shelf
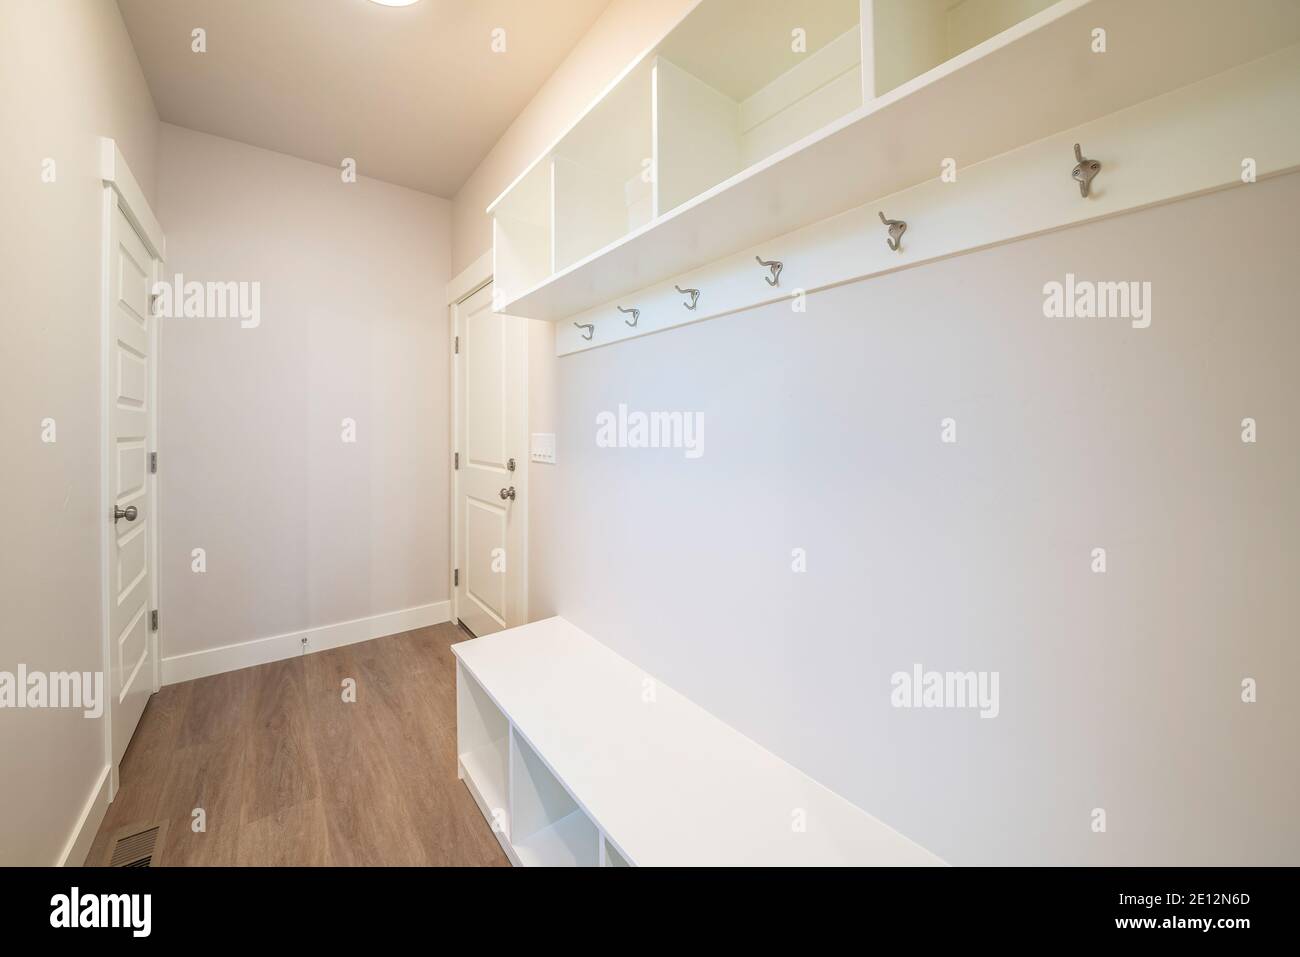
(748, 140)
(739, 81)
(597, 775)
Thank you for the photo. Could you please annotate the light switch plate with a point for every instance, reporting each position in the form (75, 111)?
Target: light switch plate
(543, 447)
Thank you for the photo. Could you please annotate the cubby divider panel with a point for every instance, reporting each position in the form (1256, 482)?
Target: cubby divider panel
(602, 172)
(483, 746)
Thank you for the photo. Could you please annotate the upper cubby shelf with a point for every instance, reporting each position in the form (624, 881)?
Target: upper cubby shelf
(754, 118)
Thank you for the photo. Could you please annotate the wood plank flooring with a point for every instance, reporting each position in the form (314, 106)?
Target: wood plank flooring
(288, 773)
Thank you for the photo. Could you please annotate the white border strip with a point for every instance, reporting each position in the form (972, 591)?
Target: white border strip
(114, 171)
(476, 275)
(260, 651)
(83, 834)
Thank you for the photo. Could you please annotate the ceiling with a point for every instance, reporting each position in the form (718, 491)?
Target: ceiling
(415, 94)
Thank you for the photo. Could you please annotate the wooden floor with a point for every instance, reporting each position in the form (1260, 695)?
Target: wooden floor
(289, 773)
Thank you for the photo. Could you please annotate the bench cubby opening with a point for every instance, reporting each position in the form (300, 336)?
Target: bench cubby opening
(548, 827)
(610, 854)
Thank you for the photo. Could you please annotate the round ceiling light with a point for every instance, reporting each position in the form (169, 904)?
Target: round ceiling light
(395, 3)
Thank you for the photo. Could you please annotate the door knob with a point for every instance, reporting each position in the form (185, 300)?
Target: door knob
(508, 493)
(129, 513)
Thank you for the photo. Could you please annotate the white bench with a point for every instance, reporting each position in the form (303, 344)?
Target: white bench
(577, 757)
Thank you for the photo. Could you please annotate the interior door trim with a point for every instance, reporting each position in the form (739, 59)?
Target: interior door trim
(466, 285)
(122, 191)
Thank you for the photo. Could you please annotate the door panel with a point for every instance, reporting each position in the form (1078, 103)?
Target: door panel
(486, 375)
(132, 463)
(132, 561)
(134, 267)
(133, 649)
(486, 530)
(132, 379)
(491, 430)
(129, 419)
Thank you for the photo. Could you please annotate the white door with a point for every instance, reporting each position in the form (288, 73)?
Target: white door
(132, 652)
(490, 476)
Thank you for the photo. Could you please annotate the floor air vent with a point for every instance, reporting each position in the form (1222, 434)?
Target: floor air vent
(136, 846)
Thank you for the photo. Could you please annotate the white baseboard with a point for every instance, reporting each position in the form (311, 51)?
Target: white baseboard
(83, 835)
(260, 651)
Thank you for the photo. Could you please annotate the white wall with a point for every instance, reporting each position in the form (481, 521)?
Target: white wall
(822, 432)
(300, 528)
(68, 75)
(543, 480)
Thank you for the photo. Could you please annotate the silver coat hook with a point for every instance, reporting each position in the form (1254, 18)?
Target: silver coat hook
(693, 293)
(1084, 170)
(896, 229)
(776, 266)
(634, 313)
(590, 327)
